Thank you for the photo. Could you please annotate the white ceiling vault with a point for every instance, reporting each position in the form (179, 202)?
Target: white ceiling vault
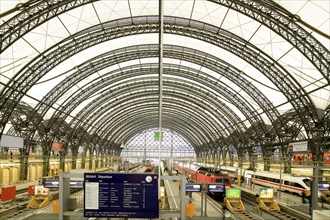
(233, 70)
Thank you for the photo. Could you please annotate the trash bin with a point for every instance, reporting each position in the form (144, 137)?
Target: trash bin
(190, 209)
(55, 207)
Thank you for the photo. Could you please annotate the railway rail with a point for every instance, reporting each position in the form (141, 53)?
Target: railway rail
(21, 209)
(283, 215)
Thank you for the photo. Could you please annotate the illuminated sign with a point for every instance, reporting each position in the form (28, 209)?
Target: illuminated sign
(323, 187)
(121, 195)
(55, 184)
(192, 187)
(233, 193)
(216, 188)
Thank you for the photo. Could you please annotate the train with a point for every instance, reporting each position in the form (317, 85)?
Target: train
(149, 168)
(299, 185)
(128, 165)
(200, 174)
(149, 165)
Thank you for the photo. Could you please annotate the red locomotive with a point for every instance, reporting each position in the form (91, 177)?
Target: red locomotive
(201, 174)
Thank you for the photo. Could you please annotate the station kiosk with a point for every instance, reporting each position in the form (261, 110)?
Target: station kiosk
(266, 200)
(233, 200)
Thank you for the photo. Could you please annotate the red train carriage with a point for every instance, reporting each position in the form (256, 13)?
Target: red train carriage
(149, 168)
(204, 175)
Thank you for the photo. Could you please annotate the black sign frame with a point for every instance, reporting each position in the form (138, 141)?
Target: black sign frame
(121, 195)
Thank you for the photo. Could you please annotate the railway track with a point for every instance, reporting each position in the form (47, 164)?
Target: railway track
(20, 209)
(245, 216)
(282, 215)
(246, 197)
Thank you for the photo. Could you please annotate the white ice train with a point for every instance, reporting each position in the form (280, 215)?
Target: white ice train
(289, 183)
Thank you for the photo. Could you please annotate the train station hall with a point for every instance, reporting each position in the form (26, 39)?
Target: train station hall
(164, 109)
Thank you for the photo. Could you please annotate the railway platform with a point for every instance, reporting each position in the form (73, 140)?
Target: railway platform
(288, 201)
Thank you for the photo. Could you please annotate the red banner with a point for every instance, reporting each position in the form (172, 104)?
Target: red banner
(57, 146)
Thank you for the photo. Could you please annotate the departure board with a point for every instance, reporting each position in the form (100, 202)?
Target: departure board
(121, 195)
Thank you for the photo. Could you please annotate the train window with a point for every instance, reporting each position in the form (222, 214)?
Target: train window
(269, 179)
(298, 185)
(307, 182)
(276, 180)
(218, 180)
(222, 180)
(286, 182)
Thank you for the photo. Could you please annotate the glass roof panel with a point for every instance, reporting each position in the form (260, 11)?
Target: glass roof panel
(111, 9)
(209, 12)
(178, 8)
(139, 8)
(314, 12)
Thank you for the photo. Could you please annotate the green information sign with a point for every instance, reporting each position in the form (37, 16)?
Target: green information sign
(158, 135)
(233, 193)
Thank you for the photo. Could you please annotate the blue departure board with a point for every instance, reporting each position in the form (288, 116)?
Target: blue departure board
(121, 195)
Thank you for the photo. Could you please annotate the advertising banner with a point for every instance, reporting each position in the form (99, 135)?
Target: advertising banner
(298, 147)
(266, 193)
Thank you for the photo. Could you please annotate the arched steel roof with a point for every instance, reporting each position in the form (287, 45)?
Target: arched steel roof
(223, 83)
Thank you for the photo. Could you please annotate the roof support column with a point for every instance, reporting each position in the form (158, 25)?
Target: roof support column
(161, 31)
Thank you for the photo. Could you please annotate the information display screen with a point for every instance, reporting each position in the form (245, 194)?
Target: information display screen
(121, 195)
(233, 193)
(55, 184)
(216, 187)
(324, 186)
(193, 187)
